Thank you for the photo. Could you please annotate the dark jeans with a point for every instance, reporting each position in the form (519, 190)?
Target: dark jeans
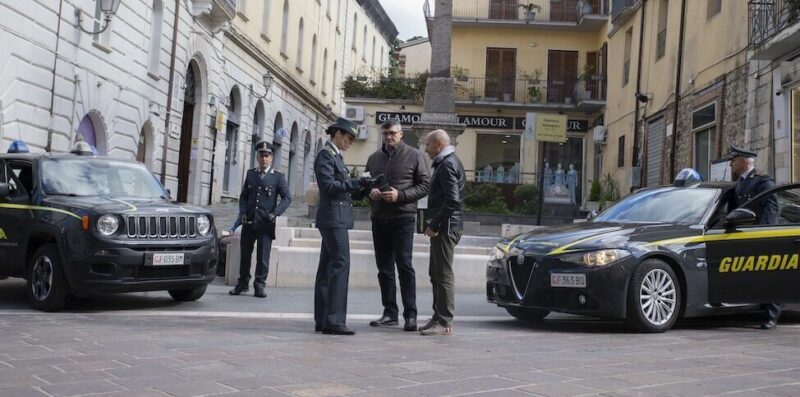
(443, 248)
(333, 275)
(249, 238)
(394, 243)
(773, 311)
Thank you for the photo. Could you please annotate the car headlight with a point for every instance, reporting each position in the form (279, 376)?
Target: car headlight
(596, 258)
(107, 225)
(203, 225)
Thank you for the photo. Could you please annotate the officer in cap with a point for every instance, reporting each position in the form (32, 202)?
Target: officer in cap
(749, 183)
(265, 196)
(334, 218)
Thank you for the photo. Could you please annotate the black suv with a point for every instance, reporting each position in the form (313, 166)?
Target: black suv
(80, 224)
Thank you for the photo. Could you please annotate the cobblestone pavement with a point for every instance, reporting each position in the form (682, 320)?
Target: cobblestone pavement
(128, 346)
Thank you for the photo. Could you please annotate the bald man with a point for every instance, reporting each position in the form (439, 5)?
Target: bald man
(444, 227)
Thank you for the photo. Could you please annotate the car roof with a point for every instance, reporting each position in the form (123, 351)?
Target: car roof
(37, 156)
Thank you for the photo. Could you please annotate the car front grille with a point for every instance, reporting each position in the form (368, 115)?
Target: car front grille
(161, 226)
(149, 272)
(521, 275)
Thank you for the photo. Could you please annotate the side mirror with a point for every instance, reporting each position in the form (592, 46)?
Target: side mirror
(4, 190)
(740, 216)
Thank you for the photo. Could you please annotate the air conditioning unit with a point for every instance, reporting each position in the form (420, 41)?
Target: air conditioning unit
(599, 134)
(354, 113)
(362, 132)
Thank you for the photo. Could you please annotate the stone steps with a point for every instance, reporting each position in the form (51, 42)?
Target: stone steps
(367, 245)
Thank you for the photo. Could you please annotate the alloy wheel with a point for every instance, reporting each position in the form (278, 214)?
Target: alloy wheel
(657, 296)
(42, 278)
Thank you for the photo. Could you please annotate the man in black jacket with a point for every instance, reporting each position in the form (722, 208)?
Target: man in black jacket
(405, 179)
(258, 208)
(444, 227)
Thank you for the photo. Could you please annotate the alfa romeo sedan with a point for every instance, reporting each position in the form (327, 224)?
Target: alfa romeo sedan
(655, 256)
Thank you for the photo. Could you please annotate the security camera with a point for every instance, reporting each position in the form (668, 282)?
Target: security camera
(642, 97)
(778, 93)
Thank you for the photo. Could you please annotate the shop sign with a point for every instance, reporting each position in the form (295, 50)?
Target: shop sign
(551, 127)
(500, 123)
(572, 125)
(402, 117)
(494, 122)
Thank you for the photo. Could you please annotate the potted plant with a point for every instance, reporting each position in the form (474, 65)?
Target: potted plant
(459, 73)
(609, 191)
(586, 76)
(532, 77)
(530, 10)
(535, 94)
(584, 8)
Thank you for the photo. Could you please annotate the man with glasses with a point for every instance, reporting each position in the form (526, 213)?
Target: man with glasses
(405, 179)
(258, 208)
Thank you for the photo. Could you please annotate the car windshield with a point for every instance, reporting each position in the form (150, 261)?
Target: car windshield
(99, 177)
(663, 205)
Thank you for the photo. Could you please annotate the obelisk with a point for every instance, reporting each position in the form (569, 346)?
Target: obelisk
(439, 111)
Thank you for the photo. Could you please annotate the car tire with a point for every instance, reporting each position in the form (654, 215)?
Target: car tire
(527, 314)
(47, 285)
(653, 312)
(187, 295)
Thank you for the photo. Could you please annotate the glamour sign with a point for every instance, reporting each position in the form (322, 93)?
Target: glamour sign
(493, 122)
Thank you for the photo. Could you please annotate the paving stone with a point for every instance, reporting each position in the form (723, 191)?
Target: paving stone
(194, 388)
(559, 389)
(22, 392)
(463, 386)
(317, 389)
(79, 388)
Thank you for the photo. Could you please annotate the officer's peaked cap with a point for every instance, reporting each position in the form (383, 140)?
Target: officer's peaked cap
(264, 146)
(343, 125)
(734, 152)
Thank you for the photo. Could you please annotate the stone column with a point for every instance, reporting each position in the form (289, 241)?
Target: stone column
(439, 106)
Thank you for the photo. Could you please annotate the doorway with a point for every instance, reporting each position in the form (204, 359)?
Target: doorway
(501, 70)
(562, 73)
(231, 140)
(187, 121)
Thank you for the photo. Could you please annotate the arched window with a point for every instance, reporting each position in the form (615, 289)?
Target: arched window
(300, 45)
(355, 30)
(313, 70)
(285, 27)
(382, 58)
(334, 95)
(324, 71)
(155, 37)
(364, 45)
(372, 57)
(328, 9)
(338, 13)
(265, 20)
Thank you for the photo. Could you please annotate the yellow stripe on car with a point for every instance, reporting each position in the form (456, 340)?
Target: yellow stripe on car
(39, 208)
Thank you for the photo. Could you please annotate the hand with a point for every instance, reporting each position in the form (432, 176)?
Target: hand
(271, 218)
(430, 233)
(390, 195)
(375, 195)
(365, 181)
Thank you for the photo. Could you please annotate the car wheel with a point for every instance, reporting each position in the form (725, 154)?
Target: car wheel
(187, 295)
(47, 285)
(654, 297)
(527, 314)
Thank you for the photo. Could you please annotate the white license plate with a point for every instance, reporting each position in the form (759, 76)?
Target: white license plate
(568, 280)
(167, 259)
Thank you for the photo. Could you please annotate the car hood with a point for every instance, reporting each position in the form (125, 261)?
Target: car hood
(125, 205)
(597, 235)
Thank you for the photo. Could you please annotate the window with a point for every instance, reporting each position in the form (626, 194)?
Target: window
(704, 126)
(661, 39)
(313, 71)
(355, 32)
(498, 157)
(299, 64)
(713, 7)
(324, 71)
(241, 9)
(328, 10)
(795, 128)
(334, 93)
(285, 28)
(265, 20)
(382, 58)
(364, 45)
(338, 14)
(155, 38)
(788, 206)
(372, 62)
(102, 39)
(621, 152)
(626, 66)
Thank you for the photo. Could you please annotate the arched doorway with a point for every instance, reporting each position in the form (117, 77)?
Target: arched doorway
(144, 150)
(258, 131)
(190, 98)
(91, 131)
(293, 146)
(307, 160)
(277, 139)
(232, 138)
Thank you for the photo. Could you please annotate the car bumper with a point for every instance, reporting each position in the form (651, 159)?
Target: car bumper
(118, 269)
(529, 285)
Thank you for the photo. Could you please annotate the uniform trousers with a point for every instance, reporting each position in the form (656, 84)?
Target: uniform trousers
(333, 275)
(251, 237)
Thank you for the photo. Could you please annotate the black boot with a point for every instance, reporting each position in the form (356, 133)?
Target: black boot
(239, 289)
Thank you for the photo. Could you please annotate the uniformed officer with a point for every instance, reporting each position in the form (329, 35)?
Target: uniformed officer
(334, 218)
(749, 183)
(259, 205)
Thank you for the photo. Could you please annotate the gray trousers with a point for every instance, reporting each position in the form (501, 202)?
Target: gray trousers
(440, 269)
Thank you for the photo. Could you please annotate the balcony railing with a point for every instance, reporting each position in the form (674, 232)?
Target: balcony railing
(620, 6)
(526, 91)
(769, 17)
(592, 90)
(515, 10)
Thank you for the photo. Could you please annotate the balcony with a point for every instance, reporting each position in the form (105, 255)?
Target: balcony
(555, 94)
(591, 95)
(573, 15)
(216, 14)
(773, 27)
(621, 10)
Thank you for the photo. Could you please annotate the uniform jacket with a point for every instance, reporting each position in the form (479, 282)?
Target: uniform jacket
(262, 194)
(406, 170)
(335, 188)
(446, 194)
(766, 209)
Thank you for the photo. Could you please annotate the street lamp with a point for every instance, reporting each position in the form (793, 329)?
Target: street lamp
(107, 7)
(267, 80)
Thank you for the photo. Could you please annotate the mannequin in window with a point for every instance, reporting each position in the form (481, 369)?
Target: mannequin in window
(548, 177)
(559, 184)
(500, 174)
(513, 174)
(572, 183)
(487, 173)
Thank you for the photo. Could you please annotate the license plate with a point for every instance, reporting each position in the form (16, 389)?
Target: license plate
(568, 280)
(167, 259)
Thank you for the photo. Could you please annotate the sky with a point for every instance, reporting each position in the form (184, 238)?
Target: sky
(407, 17)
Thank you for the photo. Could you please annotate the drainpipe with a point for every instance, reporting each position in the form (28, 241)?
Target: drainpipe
(637, 144)
(49, 146)
(169, 91)
(678, 74)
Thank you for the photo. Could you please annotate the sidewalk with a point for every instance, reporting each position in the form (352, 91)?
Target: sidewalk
(225, 214)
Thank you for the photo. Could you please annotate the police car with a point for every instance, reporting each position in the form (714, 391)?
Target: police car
(655, 256)
(80, 223)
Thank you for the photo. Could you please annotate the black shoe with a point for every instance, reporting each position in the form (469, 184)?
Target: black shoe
(260, 293)
(411, 325)
(338, 330)
(239, 289)
(770, 324)
(384, 321)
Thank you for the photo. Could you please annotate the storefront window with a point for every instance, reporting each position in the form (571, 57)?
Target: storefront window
(563, 171)
(497, 158)
(795, 120)
(702, 152)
